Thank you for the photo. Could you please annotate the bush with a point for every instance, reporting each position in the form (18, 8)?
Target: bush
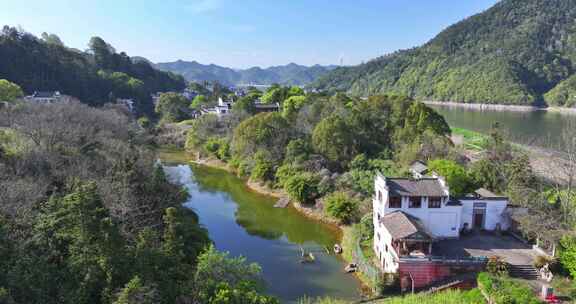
(341, 206)
(263, 169)
(302, 187)
(503, 290)
(543, 260)
(284, 173)
(497, 266)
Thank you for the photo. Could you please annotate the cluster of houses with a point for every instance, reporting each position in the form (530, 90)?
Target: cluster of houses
(411, 214)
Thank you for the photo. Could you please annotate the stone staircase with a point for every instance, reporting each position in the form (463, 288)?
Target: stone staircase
(527, 272)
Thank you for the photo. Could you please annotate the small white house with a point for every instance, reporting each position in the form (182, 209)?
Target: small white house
(45, 97)
(411, 213)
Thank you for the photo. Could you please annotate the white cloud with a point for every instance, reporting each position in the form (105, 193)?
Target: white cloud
(204, 6)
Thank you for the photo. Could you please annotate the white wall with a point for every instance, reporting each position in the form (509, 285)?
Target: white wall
(382, 240)
(494, 213)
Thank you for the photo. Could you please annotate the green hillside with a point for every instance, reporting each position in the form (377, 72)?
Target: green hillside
(290, 74)
(95, 76)
(514, 53)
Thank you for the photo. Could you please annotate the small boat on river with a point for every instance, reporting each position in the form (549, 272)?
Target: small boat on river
(307, 257)
(337, 249)
(351, 268)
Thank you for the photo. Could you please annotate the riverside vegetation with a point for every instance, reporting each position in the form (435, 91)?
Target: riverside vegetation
(323, 151)
(87, 217)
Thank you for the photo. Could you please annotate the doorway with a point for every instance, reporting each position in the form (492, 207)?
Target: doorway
(479, 216)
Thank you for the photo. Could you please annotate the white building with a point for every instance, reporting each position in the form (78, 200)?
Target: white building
(222, 109)
(45, 97)
(411, 213)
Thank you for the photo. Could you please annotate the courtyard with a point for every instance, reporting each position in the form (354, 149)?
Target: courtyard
(483, 244)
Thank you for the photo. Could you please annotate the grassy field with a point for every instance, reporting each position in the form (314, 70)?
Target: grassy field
(471, 140)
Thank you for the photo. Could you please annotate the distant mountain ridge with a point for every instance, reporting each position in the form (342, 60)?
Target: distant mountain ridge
(290, 74)
(517, 52)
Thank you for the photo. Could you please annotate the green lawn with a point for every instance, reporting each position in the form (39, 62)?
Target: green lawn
(445, 297)
(472, 140)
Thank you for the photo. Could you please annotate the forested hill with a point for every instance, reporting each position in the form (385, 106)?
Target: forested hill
(517, 52)
(95, 76)
(290, 74)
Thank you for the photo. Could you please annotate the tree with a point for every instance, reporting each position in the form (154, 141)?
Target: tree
(265, 131)
(9, 91)
(341, 206)
(198, 101)
(135, 292)
(333, 138)
(52, 39)
(292, 106)
(172, 107)
(568, 254)
(456, 176)
(219, 279)
(84, 232)
(302, 187)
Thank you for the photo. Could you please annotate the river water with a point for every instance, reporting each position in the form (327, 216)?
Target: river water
(246, 223)
(539, 128)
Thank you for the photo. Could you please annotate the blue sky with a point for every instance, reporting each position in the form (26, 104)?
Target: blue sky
(243, 33)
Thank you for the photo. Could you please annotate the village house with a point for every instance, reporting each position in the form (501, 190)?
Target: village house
(45, 97)
(412, 213)
(126, 102)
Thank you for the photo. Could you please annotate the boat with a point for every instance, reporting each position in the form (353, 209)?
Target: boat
(337, 249)
(351, 268)
(308, 258)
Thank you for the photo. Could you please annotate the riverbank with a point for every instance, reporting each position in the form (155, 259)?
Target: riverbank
(501, 107)
(343, 233)
(546, 163)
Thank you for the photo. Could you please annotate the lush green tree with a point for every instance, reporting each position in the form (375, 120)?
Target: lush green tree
(341, 206)
(263, 168)
(265, 131)
(221, 279)
(172, 107)
(292, 106)
(9, 91)
(458, 180)
(84, 233)
(568, 254)
(302, 187)
(298, 151)
(198, 101)
(135, 292)
(334, 139)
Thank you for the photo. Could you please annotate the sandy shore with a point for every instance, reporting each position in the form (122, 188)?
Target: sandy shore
(500, 107)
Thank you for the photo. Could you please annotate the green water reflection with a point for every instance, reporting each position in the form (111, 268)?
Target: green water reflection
(246, 223)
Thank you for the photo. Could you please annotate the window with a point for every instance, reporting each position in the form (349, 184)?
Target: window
(415, 202)
(379, 196)
(377, 236)
(386, 247)
(395, 202)
(434, 202)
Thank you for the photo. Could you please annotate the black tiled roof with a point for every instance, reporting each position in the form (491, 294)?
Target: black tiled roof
(415, 187)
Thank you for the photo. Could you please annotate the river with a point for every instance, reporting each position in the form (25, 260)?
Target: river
(539, 128)
(245, 223)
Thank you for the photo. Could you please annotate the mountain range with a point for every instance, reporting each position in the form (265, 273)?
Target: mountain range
(517, 52)
(290, 74)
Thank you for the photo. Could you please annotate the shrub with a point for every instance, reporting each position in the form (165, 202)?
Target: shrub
(263, 169)
(284, 173)
(503, 290)
(497, 266)
(302, 187)
(341, 206)
(543, 260)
